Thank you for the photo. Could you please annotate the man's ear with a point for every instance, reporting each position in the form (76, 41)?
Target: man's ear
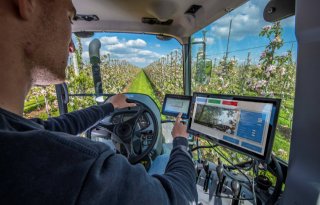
(26, 8)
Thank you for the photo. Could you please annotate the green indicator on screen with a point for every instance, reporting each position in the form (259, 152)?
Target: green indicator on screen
(214, 101)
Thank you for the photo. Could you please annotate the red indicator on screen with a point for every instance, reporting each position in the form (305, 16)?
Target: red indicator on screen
(232, 103)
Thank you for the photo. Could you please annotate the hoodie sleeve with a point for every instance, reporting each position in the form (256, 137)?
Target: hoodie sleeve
(76, 122)
(112, 180)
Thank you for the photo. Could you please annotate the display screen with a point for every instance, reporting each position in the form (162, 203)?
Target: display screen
(175, 104)
(242, 124)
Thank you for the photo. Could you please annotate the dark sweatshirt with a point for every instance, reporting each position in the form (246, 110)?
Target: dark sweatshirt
(43, 162)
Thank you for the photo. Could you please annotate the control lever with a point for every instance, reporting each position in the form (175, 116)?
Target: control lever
(221, 177)
(206, 168)
(235, 187)
(220, 170)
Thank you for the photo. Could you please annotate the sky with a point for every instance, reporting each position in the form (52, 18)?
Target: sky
(137, 49)
(247, 22)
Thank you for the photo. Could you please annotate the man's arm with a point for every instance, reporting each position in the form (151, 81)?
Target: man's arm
(113, 180)
(78, 121)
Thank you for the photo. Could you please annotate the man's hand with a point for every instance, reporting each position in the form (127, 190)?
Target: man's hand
(179, 129)
(120, 101)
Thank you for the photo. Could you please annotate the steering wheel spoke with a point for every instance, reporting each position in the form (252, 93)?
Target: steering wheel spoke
(146, 130)
(110, 127)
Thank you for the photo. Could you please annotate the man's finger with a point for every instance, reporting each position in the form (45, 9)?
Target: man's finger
(178, 119)
(132, 104)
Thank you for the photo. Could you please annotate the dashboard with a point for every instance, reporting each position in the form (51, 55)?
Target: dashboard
(143, 121)
(144, 124)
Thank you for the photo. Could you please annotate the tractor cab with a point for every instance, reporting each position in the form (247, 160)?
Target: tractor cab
(243, 73)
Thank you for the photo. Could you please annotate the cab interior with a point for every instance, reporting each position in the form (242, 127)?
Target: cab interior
(193, 30)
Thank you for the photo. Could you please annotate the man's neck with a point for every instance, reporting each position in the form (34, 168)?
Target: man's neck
(15, 80)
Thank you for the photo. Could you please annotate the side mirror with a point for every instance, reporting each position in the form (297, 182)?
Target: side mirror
(94, 51)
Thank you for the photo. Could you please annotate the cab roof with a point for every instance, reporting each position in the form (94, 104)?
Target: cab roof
(175, 18)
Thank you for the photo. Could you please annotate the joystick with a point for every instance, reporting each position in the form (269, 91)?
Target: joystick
(220, 170)
(221, 177)
(206, 168)
(235, 187)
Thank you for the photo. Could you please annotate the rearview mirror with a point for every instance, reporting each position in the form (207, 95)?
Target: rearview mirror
(84, 34)
(163, 37)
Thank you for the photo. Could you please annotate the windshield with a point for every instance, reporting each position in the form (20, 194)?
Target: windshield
(136, 63)
(241, 54)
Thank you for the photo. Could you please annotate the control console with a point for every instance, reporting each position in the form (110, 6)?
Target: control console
(218, 186)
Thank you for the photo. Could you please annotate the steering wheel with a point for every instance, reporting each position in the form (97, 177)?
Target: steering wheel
(128, 133)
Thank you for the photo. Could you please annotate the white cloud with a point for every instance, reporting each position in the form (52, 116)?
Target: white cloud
(198, 39)
(133, 55)
(144, 52)
(104, 52)
(116, 47)
(149, 61)
(289, 22)
(85, 55)
(134, 51)
(136, 43)
(129, 46)
(136, 60)
(247, 20)
(148, 53)
(86, 41)
(210, 40)
(108, 40)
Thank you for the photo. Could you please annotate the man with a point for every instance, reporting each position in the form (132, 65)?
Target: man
(42, 162)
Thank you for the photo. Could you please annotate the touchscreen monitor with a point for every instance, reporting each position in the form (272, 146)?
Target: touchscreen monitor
(245, 124)
(175, 104)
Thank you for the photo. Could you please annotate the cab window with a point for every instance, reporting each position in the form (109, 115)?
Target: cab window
(130, 63)
(241, 54)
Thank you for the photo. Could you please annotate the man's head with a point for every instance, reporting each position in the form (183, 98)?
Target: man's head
(40, 30)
